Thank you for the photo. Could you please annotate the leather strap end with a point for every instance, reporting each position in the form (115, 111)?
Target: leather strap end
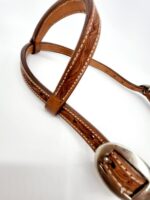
(53, 105)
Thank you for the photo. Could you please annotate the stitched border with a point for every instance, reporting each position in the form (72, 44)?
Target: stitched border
(83, 123)
(123, 189)
(125, 169)
(77, 54)
(88, 141)
(28, 84)
(83, 69)
(41, 90)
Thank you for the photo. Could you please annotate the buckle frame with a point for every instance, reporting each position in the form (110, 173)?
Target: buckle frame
(102, 153)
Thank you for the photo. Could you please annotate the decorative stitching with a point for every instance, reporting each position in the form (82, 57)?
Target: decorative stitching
(32, 89)
(82, 122)
(40, 89)
(88, 141)
(123, 189)
(77, 54)
(126, 170)
(25, 74)
(83, 69)
(26, 80)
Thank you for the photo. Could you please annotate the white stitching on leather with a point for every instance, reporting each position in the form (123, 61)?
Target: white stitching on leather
(83, 69)
(25, 74)
(35, 83)
(82, 122)
(126, 170)
(123, 189)
(25, 79)
(88, 141)
(77, 54)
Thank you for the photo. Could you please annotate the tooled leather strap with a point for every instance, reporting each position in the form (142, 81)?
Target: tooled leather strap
(88, 41)
(124, 175)
(143, 89)
(80, 58)
(91, 135)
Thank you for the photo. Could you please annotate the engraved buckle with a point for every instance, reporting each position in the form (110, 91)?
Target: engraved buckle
(102, 155)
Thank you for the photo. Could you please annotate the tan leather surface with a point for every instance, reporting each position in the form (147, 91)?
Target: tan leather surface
(88, 40)
(125, 175)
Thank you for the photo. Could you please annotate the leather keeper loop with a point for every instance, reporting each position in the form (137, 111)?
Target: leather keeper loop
(36, 46)
(53, 105)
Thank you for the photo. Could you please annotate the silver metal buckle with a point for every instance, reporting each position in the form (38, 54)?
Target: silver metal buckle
(102, 154)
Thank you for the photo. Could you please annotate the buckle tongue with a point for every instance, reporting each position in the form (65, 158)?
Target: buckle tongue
(127, 175)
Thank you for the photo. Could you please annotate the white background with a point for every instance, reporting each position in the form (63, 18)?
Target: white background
(41, 157)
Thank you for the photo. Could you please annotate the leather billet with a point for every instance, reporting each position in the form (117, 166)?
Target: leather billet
(121, 173)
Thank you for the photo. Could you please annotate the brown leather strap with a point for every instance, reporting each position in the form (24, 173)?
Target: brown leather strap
(89, 133)
(96, 64)
(123, 174)
(67, 112)
(143, 89)
(127, 177)
(80, 58)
